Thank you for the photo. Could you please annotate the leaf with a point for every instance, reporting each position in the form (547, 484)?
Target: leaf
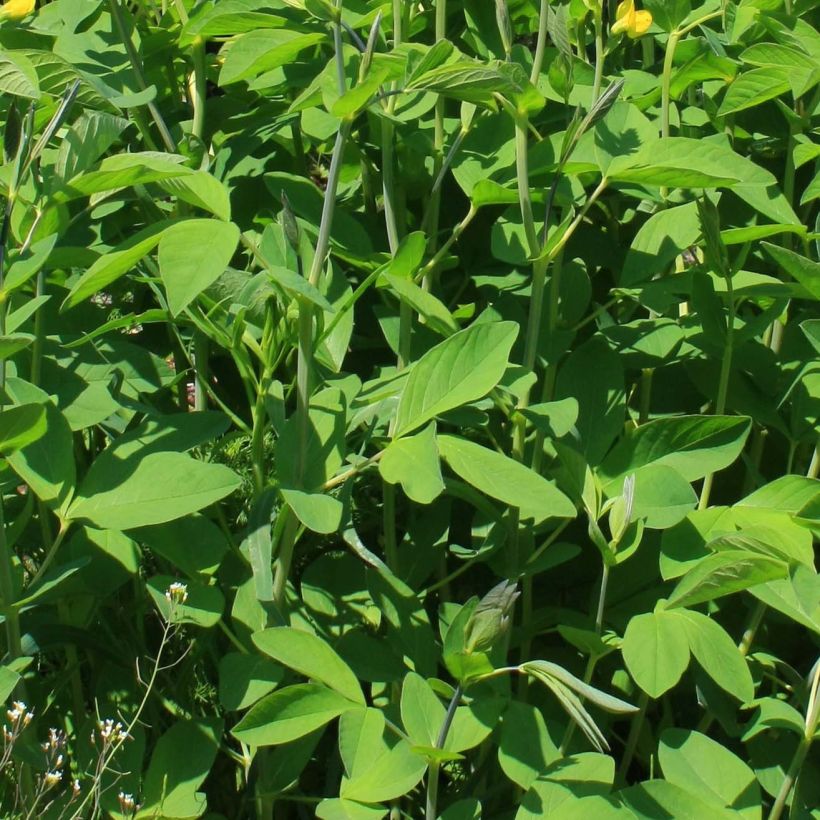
(525, 747)
(160, 487)
(593, 375)
(310, 656)
(20, 426)
(203, 607)
(202, 190)
(109, 267)
(680, 162)
(124, 170)
(718, 655)
(296, 285)
(430, 307)
(47, 463)
(803, 270)
(255, 52)
(244, 679)
(413, 462)
(192, 255)
(458, 370)
(290, 713)
(505, 479)
(180, 762)
(656, 651)
(89, 137)
(389, 776)
(704, 767)
(608, 703)
(18, 76)
(724, 573)
(753, 88)
(228, 17)
(695, 446)
(663, 236)
(319, 512)
(659, 798)
(422, 713)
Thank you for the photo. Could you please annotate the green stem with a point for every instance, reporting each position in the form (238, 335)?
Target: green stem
(599, 56)
(634, 735)
(666, 80)
(790, 778)
(540, 43)
(431, 810)
(136, 66)
(7, 591)
(723, 384)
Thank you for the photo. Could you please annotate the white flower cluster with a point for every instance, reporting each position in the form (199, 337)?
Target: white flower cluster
(177, 593)
(110, 732)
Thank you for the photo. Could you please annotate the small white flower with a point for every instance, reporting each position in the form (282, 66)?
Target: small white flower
(52, 778)
(177, 593)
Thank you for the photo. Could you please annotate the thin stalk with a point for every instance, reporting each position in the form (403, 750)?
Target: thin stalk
(432, 217)
(598, 22)
(814, 466)
(634, 735)
(459, 229)
(305, 321)
(540, 43)
(812, 716)
(666, 80)
(199, 92)
(431, 809)
(136, 66)
(723, 384)
(7, 592)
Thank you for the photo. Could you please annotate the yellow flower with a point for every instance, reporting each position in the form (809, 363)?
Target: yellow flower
(634, 23)
(17, 9)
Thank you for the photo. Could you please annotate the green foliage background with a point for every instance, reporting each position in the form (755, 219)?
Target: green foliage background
(459, 360)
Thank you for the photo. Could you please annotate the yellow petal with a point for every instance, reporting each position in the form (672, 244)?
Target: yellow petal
(625, 9)
(17, 9)
(640, 24)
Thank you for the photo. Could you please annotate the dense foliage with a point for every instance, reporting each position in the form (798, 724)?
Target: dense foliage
(409, 409)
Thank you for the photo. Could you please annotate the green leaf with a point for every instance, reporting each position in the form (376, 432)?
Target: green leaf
(203, 607)
(525, 747)
(718, 655)
(336, 808)
(663, 236)
(724, 573)
(656, 651)
(202, 190)
(18, 76)
(255, 52)
(704, 767)
(803, 270)
(160, 487)
(422, 713)
(593, 375)
(505, 479)
(458, 370)
(112, 265)
(608, 703)
(753, 88)
(290, 713)
(659, 798)
(192, 255)
(180, 762)
(310, 656)
(124, 170)
(693, 445)
(20, 426)
(430, 307)
(244, 679)
(317, 511)
(413, 462)
(361, 739)
(390, 775)
(680, 162)
(47, 463)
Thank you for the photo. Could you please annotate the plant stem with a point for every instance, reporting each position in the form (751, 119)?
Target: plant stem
(540, 43)
(431, 810)
(634, 735)
(7, 591)
(136, 66)
(599, 56)
(723, 384)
